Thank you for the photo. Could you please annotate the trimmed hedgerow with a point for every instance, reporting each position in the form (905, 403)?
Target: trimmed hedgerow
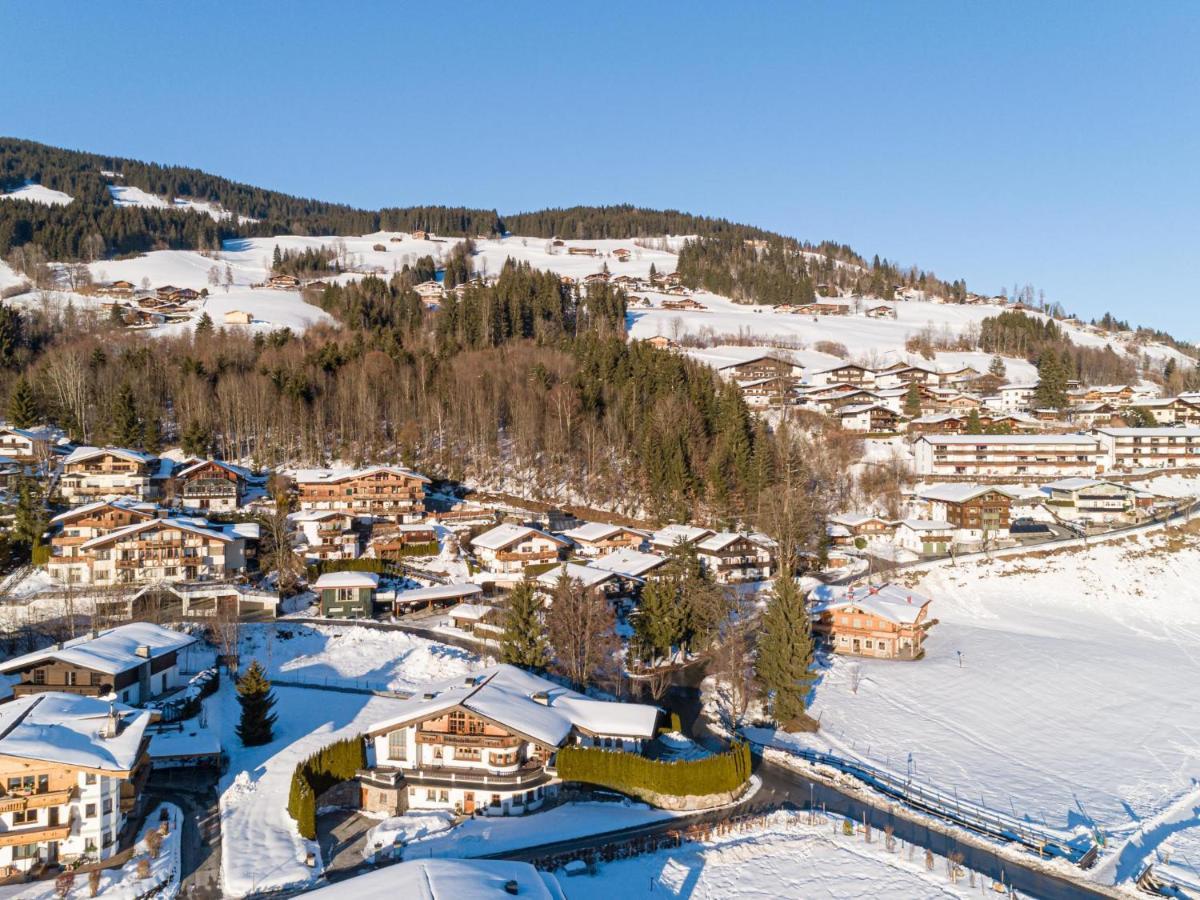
(330, 765)
(363, 564)
(633, 774)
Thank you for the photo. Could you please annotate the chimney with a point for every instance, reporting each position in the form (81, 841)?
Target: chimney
(542, 697)
(143, 651)
(112, 723)
(510, 887)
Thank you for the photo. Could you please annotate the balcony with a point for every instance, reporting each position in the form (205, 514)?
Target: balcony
(22, 802)
(490, 742)
(35, 835)
(531, 774)
(530, 556)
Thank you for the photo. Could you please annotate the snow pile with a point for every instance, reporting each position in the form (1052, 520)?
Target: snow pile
(123, 883)
(374, 659)
(1056, 686)
(405, 829)
(786, 858)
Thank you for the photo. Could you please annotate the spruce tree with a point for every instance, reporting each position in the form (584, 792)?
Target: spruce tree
(997, 368)
(974, 425)
(657, 626)
(22, 405)
(254, 694)
(523, 642)
(785, 652)
(204, 326)
(912, 401)
(126, 426)
(1052, 381)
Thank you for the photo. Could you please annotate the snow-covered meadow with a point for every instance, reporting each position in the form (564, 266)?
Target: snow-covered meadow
(1058, 687)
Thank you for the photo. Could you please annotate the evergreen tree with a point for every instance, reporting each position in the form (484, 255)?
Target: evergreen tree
(974, 425)
(523, 642)
(785, 652)
(204, 325)
(12, 334)
(997, 368)
(30, 519)
(116, 315)
(653, 272)
(126, 428)
(657, 626)
(254, 694)
(22, 405)
(912, 401)
(1052, 381)
(276, 259)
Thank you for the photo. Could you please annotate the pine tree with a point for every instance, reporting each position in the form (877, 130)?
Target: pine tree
(276, 259)
(912, 401)
(126, 427)
(523, 642)
(998, 368)
(204, 325)
(974, 425)
(657, 626)
(254, 694)
(30, 519)
(1052, 381)
(653, 272)
(22, 405)
(785, 652)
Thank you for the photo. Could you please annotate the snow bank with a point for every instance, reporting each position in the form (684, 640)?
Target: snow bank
(406, 829)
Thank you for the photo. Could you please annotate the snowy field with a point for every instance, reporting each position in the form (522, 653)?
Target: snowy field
(786, 859)
(382, 660)
(1060, 688)
(38, 194)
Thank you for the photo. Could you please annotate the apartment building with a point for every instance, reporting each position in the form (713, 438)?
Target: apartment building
(1056, 455)
(170, 549)
(1125, 449)
(385, 492)
(95, 473)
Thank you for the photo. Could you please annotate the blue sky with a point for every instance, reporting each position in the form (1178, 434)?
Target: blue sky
(1046, 143)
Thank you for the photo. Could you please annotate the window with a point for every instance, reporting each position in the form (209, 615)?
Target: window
(89, 778)
(25, 816)
(495, 799)
(467, 753)
(21, 784)
(25, 851)
(89, 811)
(412, 792)
(431, 795)
(443, 796)
(43, 783)
(71, 676)
(39, 676)
(398, 744)
(108, 807)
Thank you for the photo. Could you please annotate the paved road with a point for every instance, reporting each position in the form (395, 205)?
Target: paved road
(195, 792)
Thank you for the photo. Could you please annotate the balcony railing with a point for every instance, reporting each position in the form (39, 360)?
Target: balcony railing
(468, 740)
(35, 835)
(531, 773)
(21, 802)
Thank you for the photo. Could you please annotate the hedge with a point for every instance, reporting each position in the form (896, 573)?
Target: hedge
(634, 774)
(430, 548)
(363, 564)
(331, 765)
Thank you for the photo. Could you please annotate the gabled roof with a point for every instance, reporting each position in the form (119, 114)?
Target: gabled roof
(65, 729)
(505, 695)
(138, 527)
(239, 471)
(959, 493)
(1079, 484)
(316, 476)
(146, 509)
(892, 602)
(587, 576)
(925, 525)
(83, 454)
(629, 562)
(439, 592)
(333, 580)
(112, 652)
(680, 534)
(597, 531)
(505, 535)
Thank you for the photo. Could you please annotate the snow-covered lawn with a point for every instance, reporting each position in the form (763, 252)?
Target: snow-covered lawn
(260, 846)
(124, 883)
(785, 859)
(405, 829)
(1060, 687)
(337, 654)
(38, 193)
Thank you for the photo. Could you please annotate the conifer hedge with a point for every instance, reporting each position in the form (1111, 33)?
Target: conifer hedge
(634, 774)
(331, 765)
(362, 564)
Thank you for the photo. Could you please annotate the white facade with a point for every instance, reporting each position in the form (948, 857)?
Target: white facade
(1009, 454)
(1126, 449)
(511, 549)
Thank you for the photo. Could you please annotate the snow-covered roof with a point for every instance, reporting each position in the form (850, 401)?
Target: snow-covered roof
(112, 652)
(1017, 439)
(83, 454)
(596, 531)
(1166, 431)
(239, 471)
(505, 695)
(958, 493)
(679, 534)
(195, 526)
(629, 562)
(313, 476)
(119, 503)
(587, 576)
(926, 525)
(446, 879)
(893, 602)
(1071, 484)
(472, 611)
(65, 729)
(504, 535)
(332, 580)
(853, 520)
(439, 592)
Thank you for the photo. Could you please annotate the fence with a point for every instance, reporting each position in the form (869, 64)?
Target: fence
(951, 808)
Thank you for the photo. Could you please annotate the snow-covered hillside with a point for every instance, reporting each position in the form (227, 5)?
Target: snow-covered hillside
(124, 195)
(38, 194)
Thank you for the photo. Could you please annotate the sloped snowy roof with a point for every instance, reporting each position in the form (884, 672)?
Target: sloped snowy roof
(958, 493)
(196, 526)
(65, 728)
(83, 454)
(239, 471)
(926, 525)
(439, 592)
(113, 651)
(597, 531)
(1015, 439)
(893, 602)
(333, 580)
(119, 503)
(505, 694)
(680, 534)
(587, 576)
(626, 561)
(1166, 431)
(503, 535)
(446, 879)
(312, 476)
